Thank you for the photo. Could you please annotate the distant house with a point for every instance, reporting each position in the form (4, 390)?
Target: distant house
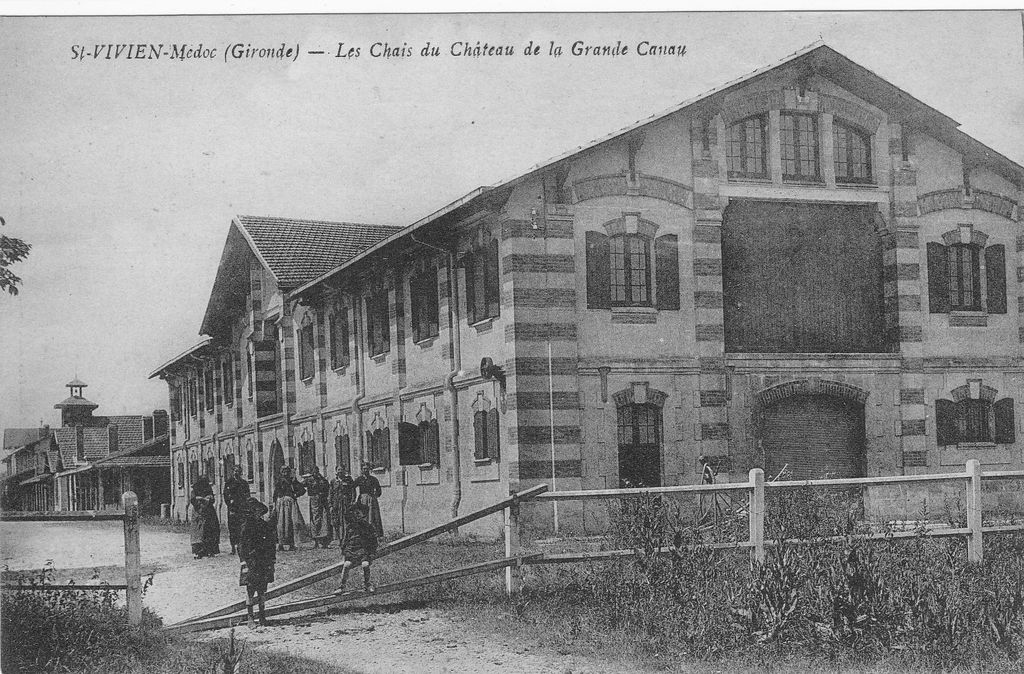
(89, 461)
(806, 270)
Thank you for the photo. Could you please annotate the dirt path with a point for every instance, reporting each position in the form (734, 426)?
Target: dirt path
(387, 637)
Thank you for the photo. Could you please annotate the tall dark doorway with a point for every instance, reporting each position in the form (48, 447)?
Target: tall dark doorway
(640, 439)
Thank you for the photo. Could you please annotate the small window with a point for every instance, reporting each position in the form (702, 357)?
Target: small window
(974, 420)
(339, 339)
(193, 471)
(799, 147)
(248, 465)
(423, 298)
(181, 475)
(378, 329)
(487, 444)
(227, 378)
(430, 442)
(211, 469)
(248, 363)
(307, 457)
(483, 294)
(342, 453)
(747, 148)
(852, 152)
(208, 387)
(410, 446)
(229, 465)
(379, 445)
(964, 266)
(630, 258)
(307, 353)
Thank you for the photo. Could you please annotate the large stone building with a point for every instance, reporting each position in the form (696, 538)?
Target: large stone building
(807, 269)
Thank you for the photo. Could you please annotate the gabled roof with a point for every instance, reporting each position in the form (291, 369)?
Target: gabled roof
(816, 57)
(293, 251)
(18, 437)
(183, 356)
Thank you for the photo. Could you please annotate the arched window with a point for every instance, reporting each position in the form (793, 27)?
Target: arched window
(746, 148)
(799, 140)
(640, 438)
(630, 257)
(852, 152)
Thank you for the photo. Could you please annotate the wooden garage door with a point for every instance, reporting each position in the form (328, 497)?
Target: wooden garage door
(815, 436)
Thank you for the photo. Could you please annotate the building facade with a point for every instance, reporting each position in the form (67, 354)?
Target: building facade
(806, 270)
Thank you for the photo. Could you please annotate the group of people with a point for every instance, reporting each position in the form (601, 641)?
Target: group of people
(345, 508)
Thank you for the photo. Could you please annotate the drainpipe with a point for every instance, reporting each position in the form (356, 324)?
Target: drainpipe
(357, 354)
(449, 380)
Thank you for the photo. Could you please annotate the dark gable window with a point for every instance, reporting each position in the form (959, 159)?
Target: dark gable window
(307, 354)
(852, 152)
(378, 329)
(799, 147)
(630, 256)
(746, 148)
(423, 298)
(483, 294)
(339, 339)
(964, 266)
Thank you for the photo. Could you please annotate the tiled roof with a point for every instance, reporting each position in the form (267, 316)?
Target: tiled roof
(97, 443)
(140, 461)
(129, 430)
(66, 442)
(298, 251)
(75, 402)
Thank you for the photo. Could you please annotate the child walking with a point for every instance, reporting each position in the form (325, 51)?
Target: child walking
(256, 549)
(359, 545)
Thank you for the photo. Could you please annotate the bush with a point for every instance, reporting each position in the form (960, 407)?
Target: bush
(834, 596)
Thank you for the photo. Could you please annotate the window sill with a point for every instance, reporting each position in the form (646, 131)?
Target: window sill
(641, 309)
(975, 445)
(856, 186)
(427, 466)
(379, 358)
(306, 380)
(967, 319)
(757, 180)
(340, 370)
(379, 471)
(483, 462)
(803, 183)
(426, 342)
(484, 324)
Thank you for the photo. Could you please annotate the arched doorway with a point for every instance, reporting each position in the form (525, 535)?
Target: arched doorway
(813, 429)
(640, 434)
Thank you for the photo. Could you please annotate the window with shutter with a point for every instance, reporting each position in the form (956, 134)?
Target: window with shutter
(938, 279)
(945, 422)
(385, 448)
(630, 262)
(423, 298)
(342, 453)
(181, 475)
(249, 465)
(667, 271)
(227, 380)
(480, 434)
(307, 356)
(208, 386)
(469, 272)
(409, 447)
(598, 276)
(339, 339)
(973, 420)
(430, 442)
(964, 277)
(995, 278)
(371, 449)
(1004, 421)
(492, 294)
(378, 329)
(493, 435)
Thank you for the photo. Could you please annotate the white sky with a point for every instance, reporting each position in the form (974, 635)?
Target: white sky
(124, 175)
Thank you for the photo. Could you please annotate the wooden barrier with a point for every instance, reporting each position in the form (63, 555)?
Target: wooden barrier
(400, 544)
(132, 558)
(219, 622)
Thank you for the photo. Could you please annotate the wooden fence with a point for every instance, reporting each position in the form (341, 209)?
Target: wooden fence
(132, 561)
(516, 557)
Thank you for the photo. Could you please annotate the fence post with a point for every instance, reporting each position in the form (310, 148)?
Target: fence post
(756, 516)
(512, 579)
(132, 570)
(974, 543)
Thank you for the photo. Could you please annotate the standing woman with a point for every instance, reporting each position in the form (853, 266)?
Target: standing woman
(369, 492)
(205, 529)
(341, 496)
(319, 525)
(236, 496)
(286, 490)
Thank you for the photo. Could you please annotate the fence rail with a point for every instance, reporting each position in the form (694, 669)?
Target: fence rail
(132, 559)
(756, 487)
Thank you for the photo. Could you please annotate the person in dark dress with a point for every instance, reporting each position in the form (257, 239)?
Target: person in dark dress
(319, 524)
(289, 517)
(256, 550)
(369, 492)
(236, 498)
(205, 529)
(359, 546)
(342, 494)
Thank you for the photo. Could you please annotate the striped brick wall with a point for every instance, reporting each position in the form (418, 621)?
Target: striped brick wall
(711, 427)
(539, 296)
(904, 280)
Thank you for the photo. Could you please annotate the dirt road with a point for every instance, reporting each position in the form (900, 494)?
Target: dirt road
(387, 637)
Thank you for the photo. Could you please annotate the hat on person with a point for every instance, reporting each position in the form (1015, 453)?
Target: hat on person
(255, 506)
